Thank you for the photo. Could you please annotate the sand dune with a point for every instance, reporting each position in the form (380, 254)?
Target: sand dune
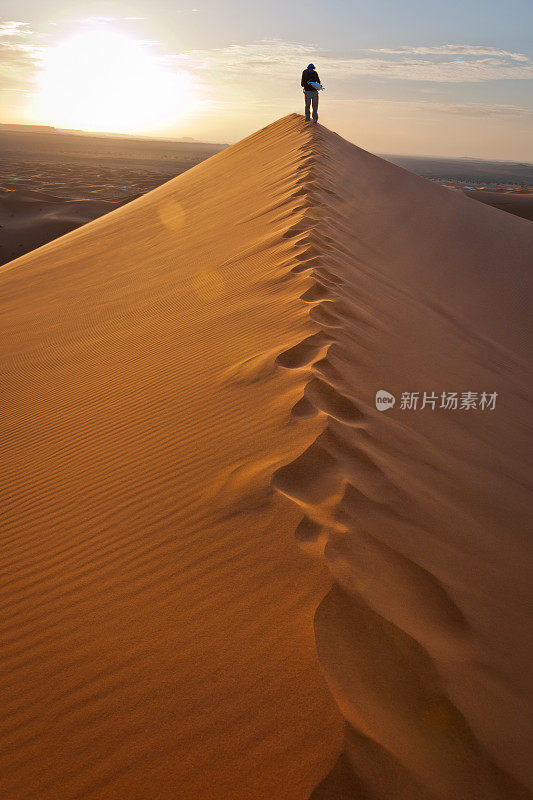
(518, 203)
(53, 182)
(189, 418)
(29, 219)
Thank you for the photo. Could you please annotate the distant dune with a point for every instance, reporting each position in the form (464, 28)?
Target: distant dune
(470, 171)
(51, 183)
(201, 490)
(513, 202)
(29, 219)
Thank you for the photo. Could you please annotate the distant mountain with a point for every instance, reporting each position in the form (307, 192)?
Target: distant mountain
(12, 126)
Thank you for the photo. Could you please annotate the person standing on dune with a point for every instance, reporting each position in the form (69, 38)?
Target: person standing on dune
(310, 82)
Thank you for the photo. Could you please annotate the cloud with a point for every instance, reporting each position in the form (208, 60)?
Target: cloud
(20, 51)
(459, 109)
(274, 58)
(270, 55)
(229, 75)
(450, 50)
(236, 68)
(13, 28)
(480, 110)
(97, 20)
(102, 20)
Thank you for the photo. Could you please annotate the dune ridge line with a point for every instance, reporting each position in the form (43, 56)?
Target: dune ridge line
(406, 739)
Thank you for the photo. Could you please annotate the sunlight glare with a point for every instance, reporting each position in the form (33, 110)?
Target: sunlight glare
(105, 81)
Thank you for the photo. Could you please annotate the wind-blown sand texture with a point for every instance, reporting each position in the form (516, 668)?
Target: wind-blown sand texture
(190, 387)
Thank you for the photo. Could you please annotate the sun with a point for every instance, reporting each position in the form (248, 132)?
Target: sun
(106, 81)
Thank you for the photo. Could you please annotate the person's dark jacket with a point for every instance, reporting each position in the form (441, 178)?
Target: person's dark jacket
(307, 76)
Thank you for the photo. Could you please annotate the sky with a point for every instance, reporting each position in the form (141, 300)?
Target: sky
(439, 77)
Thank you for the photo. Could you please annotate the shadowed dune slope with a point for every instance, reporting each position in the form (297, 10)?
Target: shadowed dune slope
(190, 429)
(520, 204)
(29, 219)
(424, 637)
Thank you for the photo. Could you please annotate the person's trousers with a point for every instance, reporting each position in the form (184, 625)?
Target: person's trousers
(311, 97)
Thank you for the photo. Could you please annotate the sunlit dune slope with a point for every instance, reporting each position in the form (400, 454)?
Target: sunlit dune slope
(189, 418)
(158, 615)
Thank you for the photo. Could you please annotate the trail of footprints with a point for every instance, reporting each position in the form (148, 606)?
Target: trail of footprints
(318, 474)
(336, 476)
(325, 478)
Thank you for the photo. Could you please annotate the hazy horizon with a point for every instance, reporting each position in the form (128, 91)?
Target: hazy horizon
(450, 81)
(163, 138)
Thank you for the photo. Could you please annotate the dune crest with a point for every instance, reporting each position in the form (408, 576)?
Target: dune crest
(191, 385)
(422, 513)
